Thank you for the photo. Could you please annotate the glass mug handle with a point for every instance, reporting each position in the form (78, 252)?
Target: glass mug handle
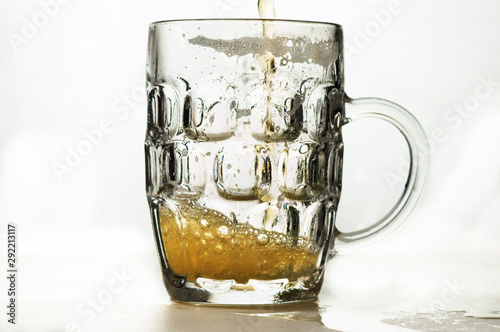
(407, 124)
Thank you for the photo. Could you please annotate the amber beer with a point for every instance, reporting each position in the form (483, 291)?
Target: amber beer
(200, 242)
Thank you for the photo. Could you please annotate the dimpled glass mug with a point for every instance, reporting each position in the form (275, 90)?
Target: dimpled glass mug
(244, 157)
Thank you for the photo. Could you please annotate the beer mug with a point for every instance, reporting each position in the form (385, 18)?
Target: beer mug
(244, 157)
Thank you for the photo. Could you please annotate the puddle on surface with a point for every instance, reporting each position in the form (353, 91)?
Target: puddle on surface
(445, 321)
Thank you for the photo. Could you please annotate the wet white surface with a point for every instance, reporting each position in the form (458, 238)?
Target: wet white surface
(370, 291)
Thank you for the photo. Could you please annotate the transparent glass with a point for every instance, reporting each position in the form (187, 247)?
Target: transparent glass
(244, 157)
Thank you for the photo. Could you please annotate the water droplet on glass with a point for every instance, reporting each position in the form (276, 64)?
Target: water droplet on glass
(304, 148)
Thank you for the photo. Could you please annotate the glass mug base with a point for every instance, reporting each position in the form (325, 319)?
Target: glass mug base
(255, 292)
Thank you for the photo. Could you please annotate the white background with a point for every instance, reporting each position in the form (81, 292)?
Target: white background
(85, 64)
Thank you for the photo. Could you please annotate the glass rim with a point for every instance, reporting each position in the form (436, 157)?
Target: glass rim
(239, 20)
